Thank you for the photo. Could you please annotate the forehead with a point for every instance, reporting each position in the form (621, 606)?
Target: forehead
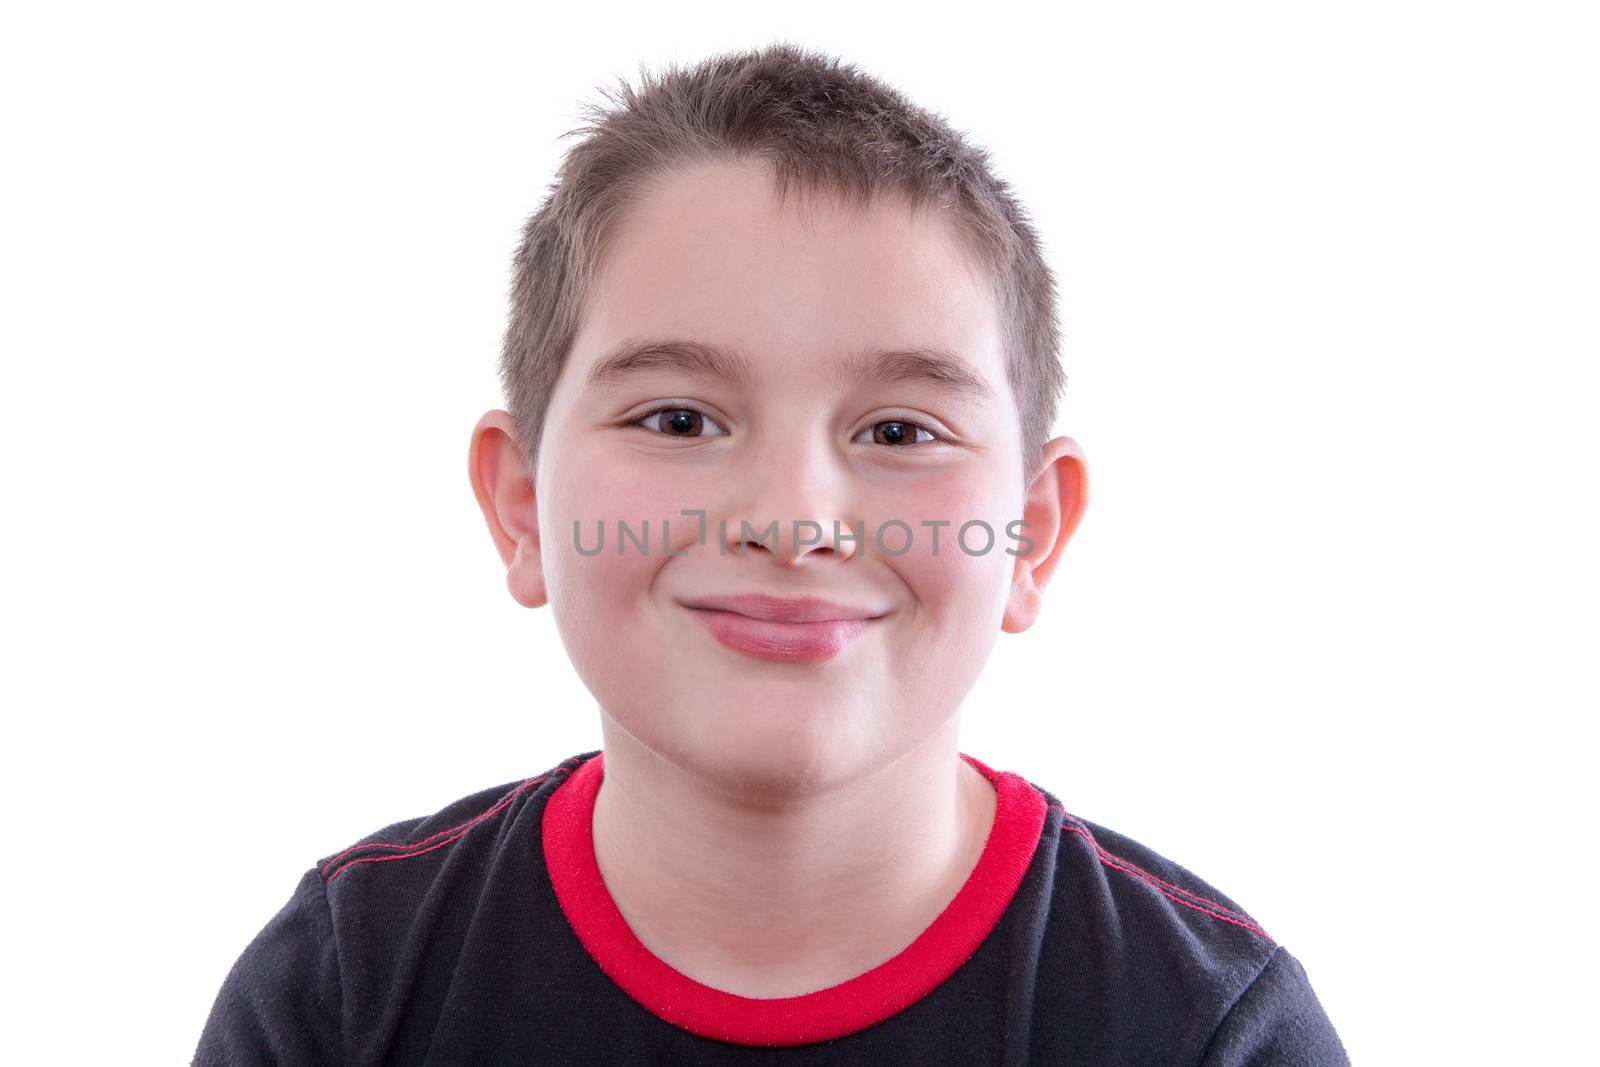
(709, 255)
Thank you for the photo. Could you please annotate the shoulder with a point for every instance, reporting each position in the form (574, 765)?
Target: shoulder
(1277, 1020)
(282, 999)
(421, 848)
(338, 950)
(1137, 928)
(403, 902)
(1162, 924)
(1146, 885)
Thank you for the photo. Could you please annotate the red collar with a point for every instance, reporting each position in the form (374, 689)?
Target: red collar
(841, 1009)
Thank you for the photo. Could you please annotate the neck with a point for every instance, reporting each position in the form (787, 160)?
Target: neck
(767, 896)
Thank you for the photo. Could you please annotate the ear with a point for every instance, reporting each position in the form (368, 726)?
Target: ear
(504, 488)
(1055, 505)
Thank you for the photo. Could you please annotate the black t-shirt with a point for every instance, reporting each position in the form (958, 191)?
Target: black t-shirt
(484, 935)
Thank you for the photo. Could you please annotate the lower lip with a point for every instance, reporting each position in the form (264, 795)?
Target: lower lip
(780, 640)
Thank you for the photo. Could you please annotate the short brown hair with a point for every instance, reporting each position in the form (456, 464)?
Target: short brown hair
(823, 126)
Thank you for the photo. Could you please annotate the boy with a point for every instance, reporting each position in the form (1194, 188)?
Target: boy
(792, 342)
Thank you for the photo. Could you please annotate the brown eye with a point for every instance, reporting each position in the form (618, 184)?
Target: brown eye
(680, 422)
(898, 433)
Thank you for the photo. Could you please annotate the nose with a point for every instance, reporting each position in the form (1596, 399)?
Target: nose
(792, 503)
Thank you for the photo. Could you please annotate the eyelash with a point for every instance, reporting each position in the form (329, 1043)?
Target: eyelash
(937, 439)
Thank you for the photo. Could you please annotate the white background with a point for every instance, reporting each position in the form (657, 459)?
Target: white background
(1328, 279)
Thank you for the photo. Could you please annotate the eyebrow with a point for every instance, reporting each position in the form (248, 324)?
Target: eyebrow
(937, 367)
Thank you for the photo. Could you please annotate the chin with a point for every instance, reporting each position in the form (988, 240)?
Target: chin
(770, 750)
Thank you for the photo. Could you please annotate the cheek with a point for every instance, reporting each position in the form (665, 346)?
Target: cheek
(958, 539)
(959, 596)
(602, 482)
(595, 590)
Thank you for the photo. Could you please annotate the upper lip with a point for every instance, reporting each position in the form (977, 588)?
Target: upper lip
(782, 609)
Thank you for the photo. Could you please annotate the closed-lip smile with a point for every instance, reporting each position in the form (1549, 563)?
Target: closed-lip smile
(781, 628)
(782, 609)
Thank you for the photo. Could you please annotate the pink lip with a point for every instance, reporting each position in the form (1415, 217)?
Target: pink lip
(805, 628)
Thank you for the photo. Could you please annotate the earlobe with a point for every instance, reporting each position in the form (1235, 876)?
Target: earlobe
(1022, 608)
(505, 493)
(525, 574)
(1054, 507)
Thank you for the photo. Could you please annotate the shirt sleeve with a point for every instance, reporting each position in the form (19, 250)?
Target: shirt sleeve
(281, 1003)
(1277, 1022)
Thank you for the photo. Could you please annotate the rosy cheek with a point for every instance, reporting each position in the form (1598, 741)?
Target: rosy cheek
(937, 568)
(597, 494)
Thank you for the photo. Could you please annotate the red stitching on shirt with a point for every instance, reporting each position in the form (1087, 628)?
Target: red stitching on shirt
(1116, 862)
(1100, 849)
(396, 856)
(1110, 862)
(457, 831)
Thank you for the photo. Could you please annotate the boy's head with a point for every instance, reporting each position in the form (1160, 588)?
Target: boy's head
(768, 289)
